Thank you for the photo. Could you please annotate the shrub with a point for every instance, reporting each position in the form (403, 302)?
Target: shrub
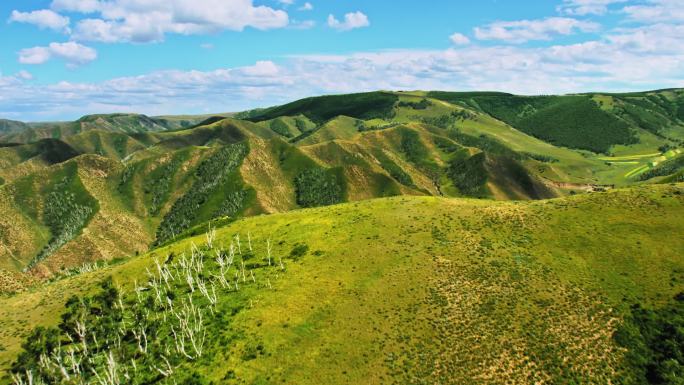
(422, 105)
(468, 173)
(210, 175)
(667, 168)
(655, 343)
(317, 187)
(281, 128)
(299, 251)
(68, 208)
(416, 153)
(364, 106)
(393, 169)
(159, 183)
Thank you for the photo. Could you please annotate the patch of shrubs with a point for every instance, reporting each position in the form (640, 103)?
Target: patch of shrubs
(299, 251)
(578, 122)
(301, 125)
(422, 105)
(394, 170)
(667, 168)
(468, 174)
(318, 187)
(68, 208)
(159, 184)
(210, 175)
(232, 204)
(541, 158)
(655, 342)
(370, 105)
(281, 128)
(484, 143)
(416, 153)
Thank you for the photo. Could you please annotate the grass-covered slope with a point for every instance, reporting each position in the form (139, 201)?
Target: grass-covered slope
(569, 121)
(122, 123)
(7, 125)
(399, 290)
(164, 179)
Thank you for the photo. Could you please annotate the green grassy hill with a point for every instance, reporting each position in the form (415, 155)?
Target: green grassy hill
(121, 123)
(490, 290)
(163, 180)
(7, 126)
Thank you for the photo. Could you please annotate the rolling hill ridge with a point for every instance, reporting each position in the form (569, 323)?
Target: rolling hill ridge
(160, 180)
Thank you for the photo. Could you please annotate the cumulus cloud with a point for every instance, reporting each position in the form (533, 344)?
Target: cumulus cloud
(306, 7)
(351, 21)
(304, 24)
(73, 53)
(522, 31)
(586, 7)
(657, 11)
(24, 75)
(459, 39)
(43, 18)
(634, 58)
(144, 21)
(82, 6)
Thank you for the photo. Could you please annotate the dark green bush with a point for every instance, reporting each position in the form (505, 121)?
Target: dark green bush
(299, 251)
(569, 121)
(666, 168)
(159, 183)
(364, 106)
(318, 187)
(468, 173)
(422, 105)
(655, 342)
(281, 128)
(68, 208)
(416, 153)
(210, 175)
(577, 122)
(393, 169)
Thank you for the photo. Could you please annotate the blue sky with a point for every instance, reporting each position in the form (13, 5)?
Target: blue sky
(60, 59)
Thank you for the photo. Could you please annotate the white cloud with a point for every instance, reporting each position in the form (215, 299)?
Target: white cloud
(306, 7)
(73, 53)
(24, 75)
(82, 6)
(657, 11)
(629, 59)
(144, 21)
(43, 18)
(525, 30)
(305, 24)
(351, 21)
(459, 39)
(207, 46)
(35, 55)
(586, 7)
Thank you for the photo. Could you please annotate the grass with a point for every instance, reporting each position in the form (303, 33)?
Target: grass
(488, 288)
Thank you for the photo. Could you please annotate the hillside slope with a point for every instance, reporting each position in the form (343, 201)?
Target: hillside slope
(490, 290)
(164, 176)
